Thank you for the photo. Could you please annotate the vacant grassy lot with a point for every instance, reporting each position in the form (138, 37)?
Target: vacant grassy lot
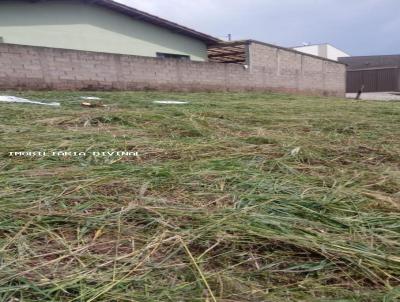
(234, 197)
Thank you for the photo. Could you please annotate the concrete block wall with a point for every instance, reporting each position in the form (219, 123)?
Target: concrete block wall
(292, 71)
(271, 69)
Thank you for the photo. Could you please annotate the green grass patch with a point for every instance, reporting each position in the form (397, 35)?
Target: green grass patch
(234, 197)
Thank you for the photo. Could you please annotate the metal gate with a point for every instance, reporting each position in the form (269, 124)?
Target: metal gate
(373, 80)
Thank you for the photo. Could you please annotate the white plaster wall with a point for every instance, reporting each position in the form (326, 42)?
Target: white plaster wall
(323, 50)
(334, 53)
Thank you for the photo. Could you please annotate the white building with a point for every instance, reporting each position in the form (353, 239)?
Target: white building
(323, 50)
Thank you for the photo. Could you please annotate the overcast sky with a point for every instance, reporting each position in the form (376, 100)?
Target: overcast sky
(359, 27)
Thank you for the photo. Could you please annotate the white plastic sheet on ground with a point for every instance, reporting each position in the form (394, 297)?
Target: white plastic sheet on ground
(14, 99)
(170, 102)
(295, 151)
(90, 98)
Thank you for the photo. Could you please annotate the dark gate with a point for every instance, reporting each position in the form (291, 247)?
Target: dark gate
(374, 80)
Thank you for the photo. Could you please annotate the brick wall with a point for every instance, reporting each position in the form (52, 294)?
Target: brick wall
(271, 69)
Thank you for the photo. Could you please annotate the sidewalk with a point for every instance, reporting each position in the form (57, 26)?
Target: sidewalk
(376, 96)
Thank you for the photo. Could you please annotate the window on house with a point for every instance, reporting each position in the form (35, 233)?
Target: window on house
(1, 40)
(162, 55)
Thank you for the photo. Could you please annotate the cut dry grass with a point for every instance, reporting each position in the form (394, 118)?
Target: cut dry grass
(234, 197)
